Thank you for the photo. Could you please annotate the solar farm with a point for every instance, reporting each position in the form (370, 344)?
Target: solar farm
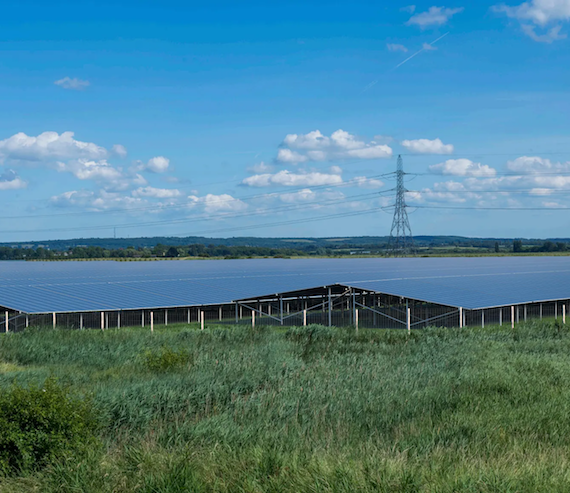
(396, 293)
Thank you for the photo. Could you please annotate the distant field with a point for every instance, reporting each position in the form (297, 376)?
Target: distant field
(309, 409)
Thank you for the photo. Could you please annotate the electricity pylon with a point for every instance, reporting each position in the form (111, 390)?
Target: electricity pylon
(401, 240)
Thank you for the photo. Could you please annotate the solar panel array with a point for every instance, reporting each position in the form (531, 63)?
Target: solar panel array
(44, 287)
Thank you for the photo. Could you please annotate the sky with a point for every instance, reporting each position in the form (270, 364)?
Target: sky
(281, 119)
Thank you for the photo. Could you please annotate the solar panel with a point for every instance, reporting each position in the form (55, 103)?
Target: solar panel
(43, 287)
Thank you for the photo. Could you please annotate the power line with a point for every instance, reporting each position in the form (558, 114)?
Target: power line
(401, 240)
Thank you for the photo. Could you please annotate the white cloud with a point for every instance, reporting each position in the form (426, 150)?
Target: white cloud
(463, 167)
(9, 180)
(364, 182)
(69, 83)
(286, 178)
(428, 47)
(101, 172)
(396, 47)
(539, 13)
(101, 200)
(426, 146)
(260, 168)
(48, 145)
(335, 170)
(435, 16)
(536, 164)
(302, 196)
(410, 9)
(119, 150)
(158, 164)
(159, 193)
(217, 203)
(314, 146)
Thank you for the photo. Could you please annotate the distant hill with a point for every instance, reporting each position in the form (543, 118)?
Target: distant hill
(301, 243)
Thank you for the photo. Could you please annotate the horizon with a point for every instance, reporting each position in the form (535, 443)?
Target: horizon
(149, 119)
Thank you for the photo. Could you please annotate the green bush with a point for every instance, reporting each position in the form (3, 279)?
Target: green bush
(41, 423)
(166, 359)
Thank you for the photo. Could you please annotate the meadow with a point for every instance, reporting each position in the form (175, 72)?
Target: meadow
(313, 409)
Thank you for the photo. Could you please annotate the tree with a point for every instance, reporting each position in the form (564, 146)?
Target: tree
(517, 246)
(172, 252)
(496, 247)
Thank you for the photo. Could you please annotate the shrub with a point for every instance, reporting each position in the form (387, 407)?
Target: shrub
(166, 359)
(41, 423)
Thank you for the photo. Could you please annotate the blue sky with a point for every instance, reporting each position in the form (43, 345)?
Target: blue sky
(283, 118)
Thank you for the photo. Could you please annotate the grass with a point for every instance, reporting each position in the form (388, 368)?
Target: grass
(309, 409)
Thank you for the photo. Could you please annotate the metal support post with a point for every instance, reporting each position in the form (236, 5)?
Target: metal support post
(541, 311)
(564, 313)
(500, 316)
(80, 321)
(106, 320)
(252, 319)
(354, 307)
(6, 320)
(525, 313)
(330, 308)
(201, 319)
(188, 316)
(281, 309)
(142, 318)
(356, 319)
(512, 317)
(304, 318)
(460, 317)
(482, 319)
(518, 314)
(165, 317)
(118, 320)
(240, 312)
(102, 320)
(555, 310)
(152, 321)
(237, 314)
(27, 320)
(408, 319)
(220, 313)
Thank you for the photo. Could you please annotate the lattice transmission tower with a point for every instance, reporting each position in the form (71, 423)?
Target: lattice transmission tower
(401, 239)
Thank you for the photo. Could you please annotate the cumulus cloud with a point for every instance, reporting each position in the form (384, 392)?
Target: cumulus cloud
(364, 182)
(434, 16)
(314, 146)
(426, 146)
(260, 168)
(536, 164)
(119, 150)
(69, 83)
(541, 14)
(286, 178)
(396, 47)
(216, 203)
(463, 167)
(158, 193)
(9, 180)
(48, 145)
(158, 164)
(99, 201)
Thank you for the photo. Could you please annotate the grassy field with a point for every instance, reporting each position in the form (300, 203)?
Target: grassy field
(303, 410)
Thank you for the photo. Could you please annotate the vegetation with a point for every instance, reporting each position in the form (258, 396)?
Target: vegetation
(307, 409)
(196, 247)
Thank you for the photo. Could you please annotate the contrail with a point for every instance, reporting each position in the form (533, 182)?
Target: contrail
(374, 82)
(418, 52)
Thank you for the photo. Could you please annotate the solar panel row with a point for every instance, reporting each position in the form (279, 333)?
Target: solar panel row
(43, 287)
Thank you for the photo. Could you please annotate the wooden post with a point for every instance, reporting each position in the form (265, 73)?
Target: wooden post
(53, 319)
(304, 318)
(152, 321)
(252, 318)
(512, 317)
(460, 318)
(102, 320)
(408, 320)
(201, 319)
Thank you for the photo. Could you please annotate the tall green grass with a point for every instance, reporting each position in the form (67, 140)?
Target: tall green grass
(310, 409)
